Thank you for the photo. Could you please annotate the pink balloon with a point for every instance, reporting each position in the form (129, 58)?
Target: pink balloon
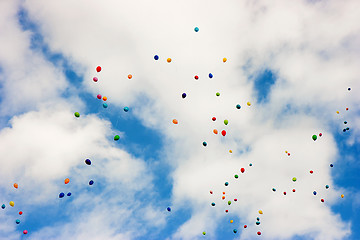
(95, 79)
(99, 96)
(25, 232)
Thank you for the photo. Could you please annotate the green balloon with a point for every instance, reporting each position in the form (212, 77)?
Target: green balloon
(236, 176)
(229, 202)
(217, 94)
(117, 137)
(314, 137)
(294, 179)
(226, 122)
(77, 114)
(204, 233)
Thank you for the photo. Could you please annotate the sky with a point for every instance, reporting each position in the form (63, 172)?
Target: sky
(291, 66)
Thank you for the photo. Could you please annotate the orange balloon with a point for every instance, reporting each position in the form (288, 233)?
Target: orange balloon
(223, 197)
(223, 192)
(129, 76)
(104, 98)
(175, 121)
(16, 185)
(168, 60)
(67, 181)
(215, 131)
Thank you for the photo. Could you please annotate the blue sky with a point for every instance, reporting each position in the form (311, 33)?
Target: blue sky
(275, 61)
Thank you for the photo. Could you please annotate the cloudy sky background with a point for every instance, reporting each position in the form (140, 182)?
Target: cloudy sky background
(294, 62)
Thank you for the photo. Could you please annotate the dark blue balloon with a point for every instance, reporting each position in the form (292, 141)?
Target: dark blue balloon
(349, 89)
(210, 75)
(344, 130)
(68, 194)
(235, 231)
(183, 95)
(347, 129)
(314, 192)
(88, 162)
(274, 189)
(156, 57)
(169, 209)
(205, 144)
(345, 122)
(331, 165)
(91, 182)
(61, 195)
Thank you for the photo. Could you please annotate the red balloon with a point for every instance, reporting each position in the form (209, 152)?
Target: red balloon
(211, 192)
(284, 193)
(235, 199)
(322, 200)
(214, 118)
(311, 171)
(258, 233)
(245, 226)
(98, 69)
(196, 77)
(293, 190)
(320, 134)
(20, 213)
(242, 170)
(223, 132)
(226, 211)
(288, 154)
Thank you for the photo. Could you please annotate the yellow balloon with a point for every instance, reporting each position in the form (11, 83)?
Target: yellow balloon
(230, 151)
(248, 103)
(224, 59)
(342, 195)
(337, 112)
(168, 60)
(285, 151)
(260, 212)
(12, 203)
(231, 221)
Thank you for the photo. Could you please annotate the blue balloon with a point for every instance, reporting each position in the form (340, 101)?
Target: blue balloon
(196, 29)
(68, 194)
(238, 106)
(210, 75)
(169, 209)
(250, 164)
(88, 162)
(126, 109)
(258, 218)
(349, 89)
(156, 57)
(235, 231)
(257, 223)
(314, 192)
(205, 144)
(183, 95)
(105, 105)
(61, 195)
(213, 204)
(91, 182)
(344, 130)
(331, 165)
(17, 221)
(3, 206)
(226, 184)
(347, 129)
(327, 186)
(274, 189)
(345, 122)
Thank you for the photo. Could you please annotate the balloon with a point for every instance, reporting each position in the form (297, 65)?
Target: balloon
(156, 57)
(223, 192)
(169, 60)
(16, 185)
(104, 98)
(183, 95)
(169, 209)
(196, 77)
(211, 192)
(204, 144)
(223, 197)
(258, 218)
(88, 162)
(231, 221)
(98, 96)
(117, 137)
(274, 189)
(223, 132)
(248, 103)
(211, 75)
(215, 131)
(224, 59)
(68, 194)
(331, 165)
(77, 114)
(229, 202)
(342, 195)
(91, 182)
(98, 68)
(95, 79)
(311, 171)
(226, 211)
(258, 233)
(294, 190)
(17, 221)
(284, 193)
(105, 105)
(235, 231)
(320, 134)
(314, 192)
(245, 226)
(344, 130)
(129, 76)
(126, 109)
(226, 184)
(242, 170)
(217, 94)
(61, 195)
(349, 89)
(337, 112)
(214, 119)
(294, 179)
(213, 204)
(3, 206)
(345, 122)
(257, 223)
(288, 154)
(204, 233)
(20, 213)
(250, 164)
(12, 203)
(238, 106)
(314, 137)
(260, 212)
(25, 232)
(347, 129)
(226, 122)
(235, 199)
(196, 29)
(175, 121)
(230, 151)
(236, 176)
(322, 200)
(67, 181)
(346, 109)
(327, 186)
